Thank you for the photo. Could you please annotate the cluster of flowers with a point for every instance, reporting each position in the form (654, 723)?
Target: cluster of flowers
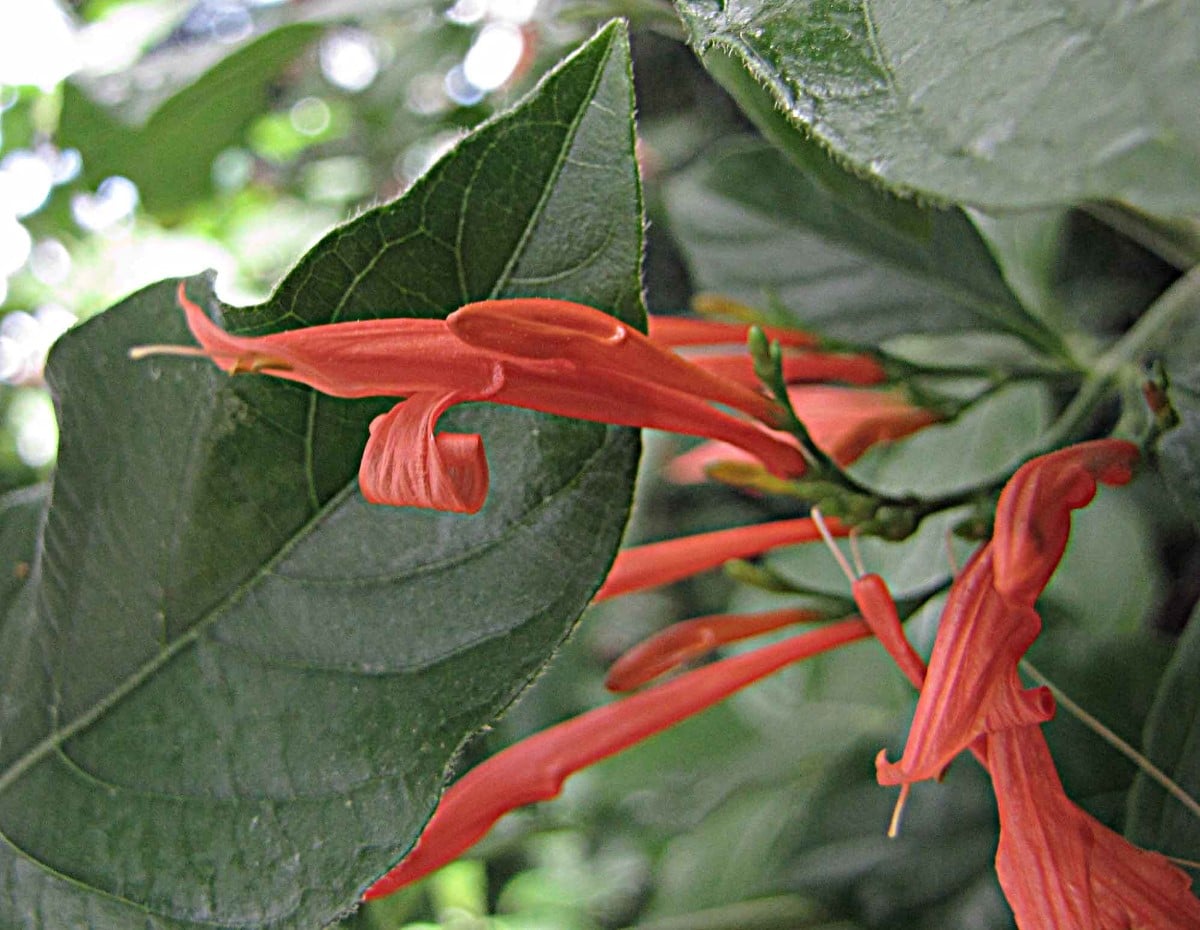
(1058, 866)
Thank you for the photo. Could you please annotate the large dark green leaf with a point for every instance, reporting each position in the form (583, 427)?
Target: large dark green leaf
(230, 687)
(1002, 104)
(1172, 742)
(839, 252)
(170, 155)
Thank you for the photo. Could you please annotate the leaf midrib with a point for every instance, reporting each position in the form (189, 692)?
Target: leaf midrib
(57, 737)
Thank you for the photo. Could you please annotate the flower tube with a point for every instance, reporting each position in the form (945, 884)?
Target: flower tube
(549, 355)
(535, 768)
(682, 642)
(844, 422)
(655, 564)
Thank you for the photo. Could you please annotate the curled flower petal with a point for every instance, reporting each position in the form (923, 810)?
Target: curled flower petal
(972, 686)
(406, 465)
(681, 642)
(1033, 516)
(1059, 867)
(535, 768)
(660, 563)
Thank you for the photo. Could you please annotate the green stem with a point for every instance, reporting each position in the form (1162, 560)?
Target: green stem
(1149, 768)
(1180, 298)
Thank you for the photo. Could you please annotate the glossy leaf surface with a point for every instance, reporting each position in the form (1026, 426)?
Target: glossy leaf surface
(230, 687)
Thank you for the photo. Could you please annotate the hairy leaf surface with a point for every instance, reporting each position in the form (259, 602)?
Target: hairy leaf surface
(1001, 104)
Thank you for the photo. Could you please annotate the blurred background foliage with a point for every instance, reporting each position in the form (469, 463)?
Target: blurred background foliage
(144, 139)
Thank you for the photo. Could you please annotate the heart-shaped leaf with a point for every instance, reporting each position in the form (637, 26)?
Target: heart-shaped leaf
(231, 688)
(1002, 104)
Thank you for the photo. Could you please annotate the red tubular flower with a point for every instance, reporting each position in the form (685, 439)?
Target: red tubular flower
(844, 422)
(535, 768)
(798, 367)
(1062, 869)
(671, 560)
(548, 355)
(681, 642)
(1033, 516)
(878, 609)
(972, 687)
(688, 331)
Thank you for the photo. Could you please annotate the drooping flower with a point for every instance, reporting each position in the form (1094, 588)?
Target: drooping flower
(541, 354)
(1033, 516)
(972, 687)
(535, 768)
(1060, 868)
(844, 422)
(661, 563)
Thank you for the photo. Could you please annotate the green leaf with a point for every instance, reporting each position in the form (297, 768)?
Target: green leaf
(1005, 104)
(231, 688)
(1171, 741)
(841, 255)
(169, 157)
(20, 513)
(1178, 451)
(939, 872)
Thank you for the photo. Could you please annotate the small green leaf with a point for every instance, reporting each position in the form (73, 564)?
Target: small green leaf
(170, 156)
(1004, 104)
(230, 688)
(842, 255)
(1171, 741)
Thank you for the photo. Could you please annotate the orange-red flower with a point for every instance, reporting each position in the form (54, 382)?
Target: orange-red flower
(972, 687)
(661, 563)
(1060, 868)
(548, 355)
(681, 331)
(682, 642)
(844, 422)
(535, 768)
